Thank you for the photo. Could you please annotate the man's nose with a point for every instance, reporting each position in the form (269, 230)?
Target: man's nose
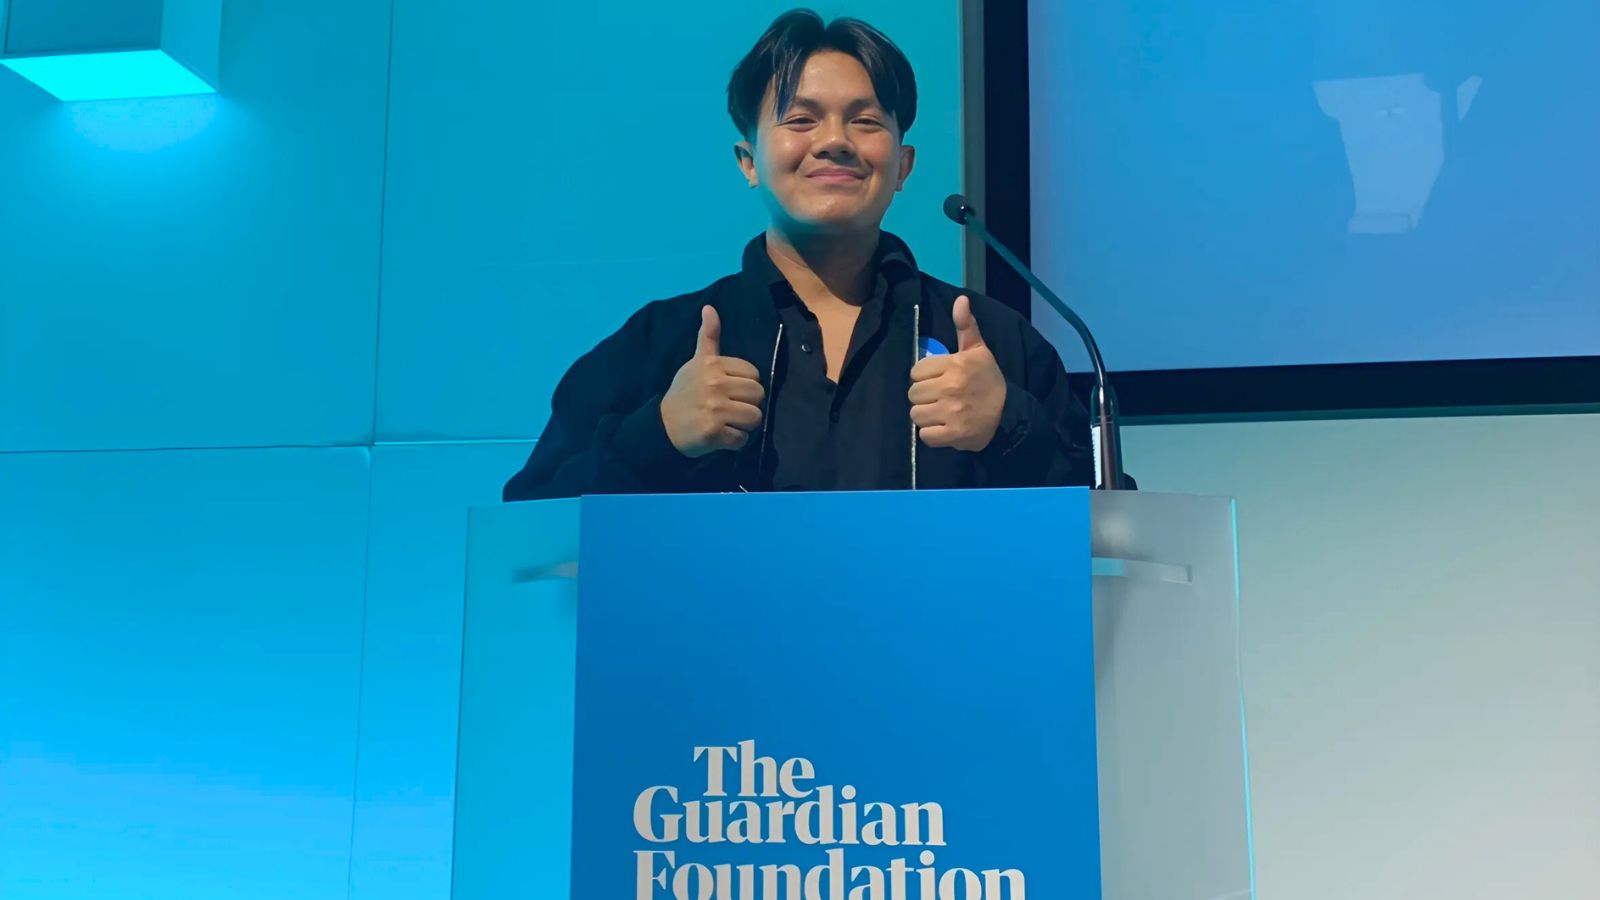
(833, 140)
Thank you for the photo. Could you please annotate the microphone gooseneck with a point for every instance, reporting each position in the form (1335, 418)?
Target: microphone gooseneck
(1103, 411)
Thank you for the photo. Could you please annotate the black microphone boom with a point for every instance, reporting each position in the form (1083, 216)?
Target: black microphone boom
(1103, 406)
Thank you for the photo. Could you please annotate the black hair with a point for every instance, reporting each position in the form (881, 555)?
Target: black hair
(780, 56)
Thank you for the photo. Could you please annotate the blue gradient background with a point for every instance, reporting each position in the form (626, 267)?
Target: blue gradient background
(1193, 194)
(260, 350)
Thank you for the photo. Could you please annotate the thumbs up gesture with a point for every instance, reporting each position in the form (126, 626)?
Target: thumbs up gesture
(956, 399)
(714, 401)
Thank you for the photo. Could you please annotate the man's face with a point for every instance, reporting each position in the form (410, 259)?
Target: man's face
(834, 160)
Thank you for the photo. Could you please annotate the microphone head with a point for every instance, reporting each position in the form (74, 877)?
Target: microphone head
(957, 208)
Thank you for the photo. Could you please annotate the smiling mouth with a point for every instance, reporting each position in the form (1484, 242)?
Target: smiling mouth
(837, 177)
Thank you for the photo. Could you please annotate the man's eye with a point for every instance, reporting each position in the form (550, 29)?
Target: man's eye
(798, 120)
(872, 122)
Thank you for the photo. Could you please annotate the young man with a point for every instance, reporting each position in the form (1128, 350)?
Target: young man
(829, 362)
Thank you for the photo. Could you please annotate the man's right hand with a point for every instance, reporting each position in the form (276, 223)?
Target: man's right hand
(715, 401)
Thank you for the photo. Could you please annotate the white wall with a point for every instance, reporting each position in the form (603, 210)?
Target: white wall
(1420, 619)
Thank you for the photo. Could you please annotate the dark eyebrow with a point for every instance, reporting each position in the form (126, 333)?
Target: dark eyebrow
(855, 106)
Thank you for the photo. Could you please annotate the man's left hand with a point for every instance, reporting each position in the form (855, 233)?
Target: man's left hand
(956, 399)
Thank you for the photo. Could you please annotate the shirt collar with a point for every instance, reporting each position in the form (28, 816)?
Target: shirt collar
(892, 260)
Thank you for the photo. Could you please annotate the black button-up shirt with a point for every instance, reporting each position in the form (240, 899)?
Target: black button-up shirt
(606, 434)
(853, 435)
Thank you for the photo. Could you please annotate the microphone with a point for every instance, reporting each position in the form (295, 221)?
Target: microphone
(1103, 402)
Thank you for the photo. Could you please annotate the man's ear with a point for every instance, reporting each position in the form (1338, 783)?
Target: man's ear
(908, 161)
(745, 154)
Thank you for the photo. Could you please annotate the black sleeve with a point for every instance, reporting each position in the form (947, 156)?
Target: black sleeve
(603, 437)
(1043, 438)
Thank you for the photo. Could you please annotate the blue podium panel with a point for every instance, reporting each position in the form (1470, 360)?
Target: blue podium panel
(829, 695)
(180, 638)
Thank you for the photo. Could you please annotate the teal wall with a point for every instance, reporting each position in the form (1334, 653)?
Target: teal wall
(258, 353)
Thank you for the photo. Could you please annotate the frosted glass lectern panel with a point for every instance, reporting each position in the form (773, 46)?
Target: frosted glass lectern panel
(514, 748)
(1174, 790)
(1173, 786)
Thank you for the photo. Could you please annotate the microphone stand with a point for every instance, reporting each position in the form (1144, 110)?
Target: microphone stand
(1104, 436)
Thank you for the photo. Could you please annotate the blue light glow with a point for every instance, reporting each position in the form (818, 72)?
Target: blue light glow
(145, 124)
(110, 76)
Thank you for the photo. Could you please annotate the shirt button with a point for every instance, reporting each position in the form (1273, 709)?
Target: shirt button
(805, 348)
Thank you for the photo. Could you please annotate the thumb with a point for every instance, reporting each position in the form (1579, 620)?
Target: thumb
(967, 336)
(710, 333)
